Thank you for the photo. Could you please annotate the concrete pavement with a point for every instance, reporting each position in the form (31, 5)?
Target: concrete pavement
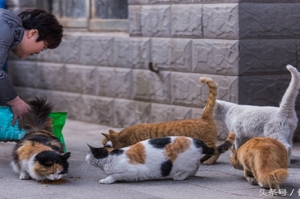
(216, 181)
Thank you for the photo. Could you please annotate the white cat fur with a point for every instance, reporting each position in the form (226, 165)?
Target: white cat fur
(118, 168)
(252, 121)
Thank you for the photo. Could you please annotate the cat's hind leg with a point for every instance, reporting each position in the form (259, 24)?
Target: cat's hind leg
(249, 177)
(108, 180)
(182, 175)
(211, 160)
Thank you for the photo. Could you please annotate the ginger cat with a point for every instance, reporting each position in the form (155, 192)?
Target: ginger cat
(264, 161)
(203, 128)
(175, 156)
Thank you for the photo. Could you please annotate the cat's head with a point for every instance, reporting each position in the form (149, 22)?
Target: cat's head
(221, 109)
(96, 154)
(50, 165)
(116, 140)
(234, 160)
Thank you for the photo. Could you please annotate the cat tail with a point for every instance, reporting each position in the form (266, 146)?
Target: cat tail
(37, 119)
(208, 112)
(288, 100)
(227, 144)
(277, 176)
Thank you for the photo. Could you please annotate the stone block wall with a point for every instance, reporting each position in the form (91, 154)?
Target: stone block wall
(104, 77)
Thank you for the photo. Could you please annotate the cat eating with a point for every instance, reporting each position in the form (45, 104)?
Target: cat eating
(203, 128)
(39, 155)
(264, 161)
(175, 156)
(253, 121)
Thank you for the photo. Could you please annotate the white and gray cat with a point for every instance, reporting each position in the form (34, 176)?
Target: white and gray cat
(252, 121)
(175, 156)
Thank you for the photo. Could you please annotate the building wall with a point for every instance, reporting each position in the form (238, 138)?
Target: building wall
(104, 77)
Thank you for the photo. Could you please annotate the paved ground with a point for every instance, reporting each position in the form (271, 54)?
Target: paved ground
(216, 181)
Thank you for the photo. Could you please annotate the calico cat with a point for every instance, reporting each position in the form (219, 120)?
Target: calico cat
(203, 128)
(175, 156)
(264, 161)
(254, 121)
(39, 155)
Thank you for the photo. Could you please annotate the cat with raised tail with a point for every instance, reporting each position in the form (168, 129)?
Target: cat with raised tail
(264, 161)
(252, 121)
(203, 128)
(39, 155)
(176, 157)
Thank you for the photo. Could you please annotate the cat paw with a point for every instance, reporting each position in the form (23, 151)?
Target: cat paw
(210, 161)
(24, 176)
(251, 180)
(107, 180)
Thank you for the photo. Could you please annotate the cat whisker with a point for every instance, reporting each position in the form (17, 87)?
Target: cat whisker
(84, 167)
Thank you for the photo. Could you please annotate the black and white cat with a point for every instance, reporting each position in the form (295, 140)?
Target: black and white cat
(253, 121)
(175, 156)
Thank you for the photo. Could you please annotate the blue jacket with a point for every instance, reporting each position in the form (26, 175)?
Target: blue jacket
(11, 34)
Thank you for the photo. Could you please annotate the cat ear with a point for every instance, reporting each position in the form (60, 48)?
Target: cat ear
(107, 136)
(66, 155)
(233, 150)
(91, 148)
(40, 157)
(111, 132)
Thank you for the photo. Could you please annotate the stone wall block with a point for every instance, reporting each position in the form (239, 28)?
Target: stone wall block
(26, 92)
(67, 52)
(187, 20)
(298, 53)
(24, 73)
(72, 103)
(265, 57)
(228, 88)
(52, 76)
(221, 21)
(97, 50)
(98, 109)
(215, 56)
(145, 2)
(262, 90)
(186, 90)
(131, 52)
(278, 20)
(164, 113)
(156, 21)
(135, 20)
(115, 83)
(149, 86)
(128, 112)
(172, 54)
(81, 79)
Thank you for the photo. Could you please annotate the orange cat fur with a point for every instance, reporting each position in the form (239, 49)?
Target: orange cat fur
(264, 161)
(203, 128)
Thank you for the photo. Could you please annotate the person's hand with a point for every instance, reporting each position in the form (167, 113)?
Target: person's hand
(19, 108)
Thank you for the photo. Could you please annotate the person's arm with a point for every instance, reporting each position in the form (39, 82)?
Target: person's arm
(19, 108)
(8, 93)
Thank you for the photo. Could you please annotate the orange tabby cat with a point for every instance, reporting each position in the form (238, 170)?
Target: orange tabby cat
(203, 128)
(264, 161)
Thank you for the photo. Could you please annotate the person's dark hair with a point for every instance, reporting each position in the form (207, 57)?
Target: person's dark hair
(50, 30)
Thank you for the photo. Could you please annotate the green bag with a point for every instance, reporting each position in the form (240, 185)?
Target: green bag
(58, 122)
(13, 133)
